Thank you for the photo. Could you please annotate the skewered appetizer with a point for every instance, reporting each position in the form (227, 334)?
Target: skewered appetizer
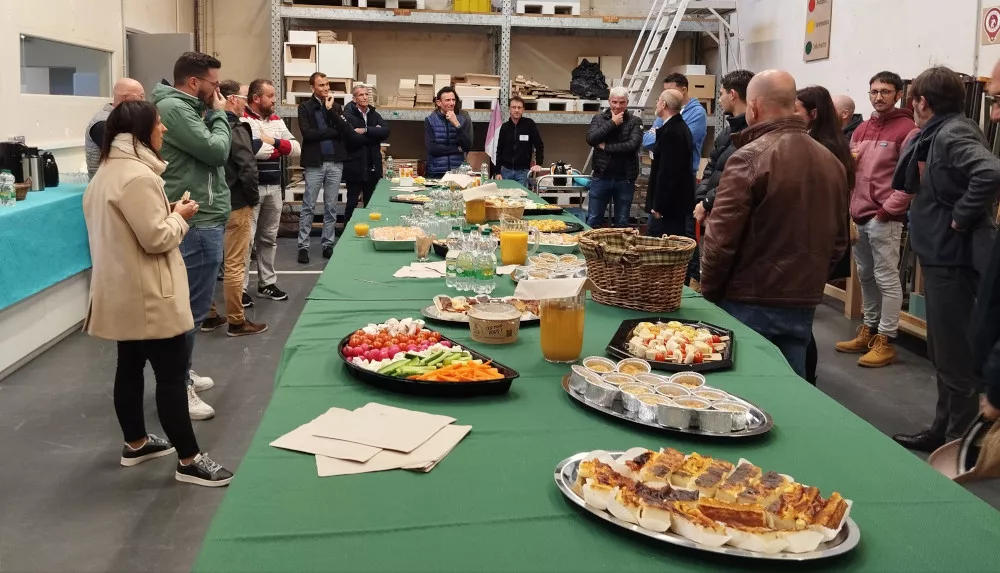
(676, 342)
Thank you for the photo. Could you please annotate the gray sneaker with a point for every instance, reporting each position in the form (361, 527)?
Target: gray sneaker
(203, 471)
(155, 447)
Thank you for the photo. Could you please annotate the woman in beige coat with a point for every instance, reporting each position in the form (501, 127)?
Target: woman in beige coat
(139, 289)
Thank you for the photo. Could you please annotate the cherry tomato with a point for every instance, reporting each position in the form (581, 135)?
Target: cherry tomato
(699, 357)
(660, 357)
(394, 340)
(716, 339)
(377, 345)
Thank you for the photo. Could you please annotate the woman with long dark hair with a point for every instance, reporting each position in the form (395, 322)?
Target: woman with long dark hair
(815, 106)
(139, 289)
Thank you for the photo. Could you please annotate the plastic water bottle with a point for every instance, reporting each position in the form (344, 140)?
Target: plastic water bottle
(466, 264)
(390, 168)
(486, 264)
(454, 242)
(8, 197)
(484, 170)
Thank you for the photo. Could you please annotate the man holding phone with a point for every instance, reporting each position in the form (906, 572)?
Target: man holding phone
(196, 148)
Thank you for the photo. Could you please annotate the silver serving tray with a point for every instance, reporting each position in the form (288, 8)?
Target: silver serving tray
(846, 540)
(760, 421)
(433, 313)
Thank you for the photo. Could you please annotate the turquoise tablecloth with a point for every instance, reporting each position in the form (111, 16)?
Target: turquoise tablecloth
(43, 240)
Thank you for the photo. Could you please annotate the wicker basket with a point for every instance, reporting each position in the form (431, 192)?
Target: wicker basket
(493, 212)
(21, 190)
(636, 272)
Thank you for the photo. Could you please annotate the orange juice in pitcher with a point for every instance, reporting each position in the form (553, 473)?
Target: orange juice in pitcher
(562, 328)
(514, 235)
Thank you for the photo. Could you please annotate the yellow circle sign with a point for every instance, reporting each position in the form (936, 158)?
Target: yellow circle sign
(810, 27)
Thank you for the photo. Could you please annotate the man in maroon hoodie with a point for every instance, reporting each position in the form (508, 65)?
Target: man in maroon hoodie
(878, 210)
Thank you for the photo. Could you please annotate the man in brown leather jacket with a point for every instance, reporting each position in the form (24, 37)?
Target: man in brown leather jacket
(779, 222)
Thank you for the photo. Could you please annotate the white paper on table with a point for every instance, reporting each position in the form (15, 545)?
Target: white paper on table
(302, 439)
(506, 269)
(417, 273)
(543, 289)
(490, 190)
(428, 454)
(435, 266)
(382, 427)
(460, 180)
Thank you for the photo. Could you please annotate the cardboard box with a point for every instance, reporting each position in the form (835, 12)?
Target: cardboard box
(297, 84)
(611, 67)
(701, 87)
(302, 37)
(300, 59)
(337, 60)
(689, 70)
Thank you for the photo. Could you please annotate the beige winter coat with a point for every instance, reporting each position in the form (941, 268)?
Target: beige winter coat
(138, 286)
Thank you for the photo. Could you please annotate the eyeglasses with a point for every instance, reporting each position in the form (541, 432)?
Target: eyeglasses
(239, 96)
(883, 93)
(992, 100)
(214, 84)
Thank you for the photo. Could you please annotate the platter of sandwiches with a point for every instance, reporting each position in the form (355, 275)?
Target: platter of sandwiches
(675, 345)
(709, 504)
(455, 308)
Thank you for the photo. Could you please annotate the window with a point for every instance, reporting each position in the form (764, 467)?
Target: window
(55, 68)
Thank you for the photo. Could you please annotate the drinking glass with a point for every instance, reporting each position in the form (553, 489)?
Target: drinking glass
(562, 327)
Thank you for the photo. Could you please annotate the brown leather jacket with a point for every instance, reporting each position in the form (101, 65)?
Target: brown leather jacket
(779, 222)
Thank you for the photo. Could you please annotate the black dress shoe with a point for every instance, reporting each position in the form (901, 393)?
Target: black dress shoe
(304, 256)
(923, 441)
(327, 252)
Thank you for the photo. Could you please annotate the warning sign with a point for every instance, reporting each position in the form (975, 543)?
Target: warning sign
(817, 43)
(990, 26)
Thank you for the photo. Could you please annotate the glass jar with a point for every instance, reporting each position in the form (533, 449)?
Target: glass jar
(562, 327)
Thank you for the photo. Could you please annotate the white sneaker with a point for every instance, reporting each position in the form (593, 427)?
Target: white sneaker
(198, 409)
(201, 383)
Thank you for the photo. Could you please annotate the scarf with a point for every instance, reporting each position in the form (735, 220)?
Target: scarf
(129, 145)
(907, 174)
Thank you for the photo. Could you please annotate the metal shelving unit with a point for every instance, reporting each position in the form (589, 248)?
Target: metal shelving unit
(705, 16)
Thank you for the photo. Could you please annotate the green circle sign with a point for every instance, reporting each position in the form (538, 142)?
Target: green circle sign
(809, 48)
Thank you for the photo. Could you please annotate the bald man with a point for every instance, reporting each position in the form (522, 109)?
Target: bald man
(779, 222)
(849, 121)
(670, 198)
(126, 89)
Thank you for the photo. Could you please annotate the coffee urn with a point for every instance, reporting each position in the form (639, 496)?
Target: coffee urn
(33, 167)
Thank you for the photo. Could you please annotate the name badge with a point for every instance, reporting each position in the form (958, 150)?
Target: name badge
(883, 144)
(523, 138)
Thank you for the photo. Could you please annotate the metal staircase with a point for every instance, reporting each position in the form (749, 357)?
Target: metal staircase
(650, 51)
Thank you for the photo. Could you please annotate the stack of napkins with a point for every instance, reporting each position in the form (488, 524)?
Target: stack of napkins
(433, 270)
(374, 438)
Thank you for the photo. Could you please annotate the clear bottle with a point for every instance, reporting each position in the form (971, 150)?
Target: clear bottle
(484, 169)
(390, 168)
(454, 242)
(8, 197)
(466, 264)
(486, 264)
(465, 168)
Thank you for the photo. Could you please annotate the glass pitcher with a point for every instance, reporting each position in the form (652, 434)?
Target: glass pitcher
(562, 327)
(514, 236)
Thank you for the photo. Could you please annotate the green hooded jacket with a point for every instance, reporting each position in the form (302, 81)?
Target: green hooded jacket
(196, 151)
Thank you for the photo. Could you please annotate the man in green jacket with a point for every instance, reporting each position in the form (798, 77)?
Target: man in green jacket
(196, 148)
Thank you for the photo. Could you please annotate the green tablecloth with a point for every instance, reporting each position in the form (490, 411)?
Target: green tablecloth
(491, 505)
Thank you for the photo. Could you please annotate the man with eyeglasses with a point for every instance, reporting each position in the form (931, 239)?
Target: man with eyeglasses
(196, 147)
(879, 211)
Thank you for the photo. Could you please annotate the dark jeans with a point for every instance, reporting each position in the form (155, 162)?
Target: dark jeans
(519, 175)
(202, 249)
(602, 192)
(168, 358)
(694, 265)
(670, 224)
(355, 190)
(788, 328)
(951, 296)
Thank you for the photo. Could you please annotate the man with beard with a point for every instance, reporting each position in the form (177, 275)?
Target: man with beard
(272, 141)
(196, 148)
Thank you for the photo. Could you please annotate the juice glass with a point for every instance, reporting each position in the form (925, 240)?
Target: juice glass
(475, 212)
(361, 229)
(514, 246)
(562, 328)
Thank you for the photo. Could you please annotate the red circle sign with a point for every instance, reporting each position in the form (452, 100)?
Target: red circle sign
(991, 23)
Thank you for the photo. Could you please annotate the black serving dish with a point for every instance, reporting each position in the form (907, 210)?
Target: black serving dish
(425, 388)
(558, 211)
(618, 346)
(571, 226)
(394, 199)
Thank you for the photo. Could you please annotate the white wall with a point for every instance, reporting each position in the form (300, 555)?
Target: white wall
(54, 121)
(866, 37)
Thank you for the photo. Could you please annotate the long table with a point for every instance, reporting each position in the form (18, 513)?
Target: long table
(43, 240)
(491, 505)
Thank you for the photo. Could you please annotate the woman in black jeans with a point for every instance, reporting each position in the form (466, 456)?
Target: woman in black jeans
(139, 289)
(815, 105)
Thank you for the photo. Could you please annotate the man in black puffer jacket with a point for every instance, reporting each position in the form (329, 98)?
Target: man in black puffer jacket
(616, 136)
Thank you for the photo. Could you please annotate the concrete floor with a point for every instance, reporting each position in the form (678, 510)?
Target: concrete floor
(65, 505)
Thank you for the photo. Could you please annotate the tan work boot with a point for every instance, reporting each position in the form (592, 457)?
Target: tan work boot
(695, 285)
(881, 354)
(860, 343)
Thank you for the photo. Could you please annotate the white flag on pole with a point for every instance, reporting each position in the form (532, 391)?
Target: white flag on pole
(493, 133)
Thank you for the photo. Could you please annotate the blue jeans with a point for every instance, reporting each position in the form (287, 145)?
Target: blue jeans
(603, 191)
(202, 252)
(788, 328)
(326, 177)
(519, 175)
